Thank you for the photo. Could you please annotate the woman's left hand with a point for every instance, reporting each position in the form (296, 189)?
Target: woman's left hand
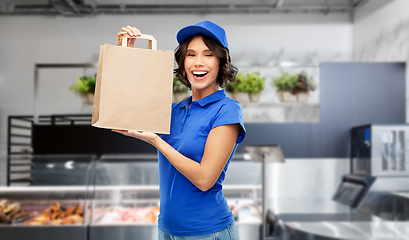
(148, 137)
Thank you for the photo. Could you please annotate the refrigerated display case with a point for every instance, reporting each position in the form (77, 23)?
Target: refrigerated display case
(126, 197)
(114, 197)
(55, 206)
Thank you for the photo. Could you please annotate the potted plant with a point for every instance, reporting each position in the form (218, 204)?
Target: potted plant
(85, 87)
(294, 87)
(305, 85)
(235, 88)
(284, 84)
(179, 90)
(253, 84)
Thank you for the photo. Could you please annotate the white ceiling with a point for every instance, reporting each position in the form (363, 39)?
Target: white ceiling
(77, 8)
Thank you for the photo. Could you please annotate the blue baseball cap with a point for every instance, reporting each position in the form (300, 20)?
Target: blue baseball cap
(205, 28)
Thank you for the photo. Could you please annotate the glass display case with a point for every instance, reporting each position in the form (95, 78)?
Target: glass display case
(242, 188)
(55, 206)
(126, 197)
(112, 197)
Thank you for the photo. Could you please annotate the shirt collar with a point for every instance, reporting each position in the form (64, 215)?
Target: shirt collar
(185, 103)
(214, 97)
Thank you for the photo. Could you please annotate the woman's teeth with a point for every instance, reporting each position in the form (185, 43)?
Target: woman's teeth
(199, 74)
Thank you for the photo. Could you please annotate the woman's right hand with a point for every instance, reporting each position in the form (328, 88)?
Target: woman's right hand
(131, 31)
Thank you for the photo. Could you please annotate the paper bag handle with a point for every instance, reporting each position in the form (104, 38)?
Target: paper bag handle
(151, 45)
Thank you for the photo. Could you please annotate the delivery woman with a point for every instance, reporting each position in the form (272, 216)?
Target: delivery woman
(205, 131)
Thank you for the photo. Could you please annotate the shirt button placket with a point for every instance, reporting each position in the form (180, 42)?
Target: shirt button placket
(187, 114)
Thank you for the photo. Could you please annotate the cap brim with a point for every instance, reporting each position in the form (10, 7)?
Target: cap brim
(188, 31)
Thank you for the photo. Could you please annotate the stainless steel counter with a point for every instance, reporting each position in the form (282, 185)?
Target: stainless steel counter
(345, 223)
(401, 194)
(375, 229)
(301, 200)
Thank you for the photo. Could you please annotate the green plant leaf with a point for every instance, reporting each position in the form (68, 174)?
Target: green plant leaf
(178, 86)
(294, 83)
(248, 83)
(84, 85)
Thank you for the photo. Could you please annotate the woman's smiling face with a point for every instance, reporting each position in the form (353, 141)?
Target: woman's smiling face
(202, 68)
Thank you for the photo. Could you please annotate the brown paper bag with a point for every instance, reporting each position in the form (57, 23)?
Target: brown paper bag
(134, 88)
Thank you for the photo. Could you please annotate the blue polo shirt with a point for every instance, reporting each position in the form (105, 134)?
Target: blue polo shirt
(185, 210)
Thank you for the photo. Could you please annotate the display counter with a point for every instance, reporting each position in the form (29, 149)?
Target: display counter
(42, 213)
(118, 198)
(126, 197)
(55, 206)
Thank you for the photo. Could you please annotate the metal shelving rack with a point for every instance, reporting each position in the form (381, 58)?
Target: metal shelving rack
(19, 142)
(19, 133)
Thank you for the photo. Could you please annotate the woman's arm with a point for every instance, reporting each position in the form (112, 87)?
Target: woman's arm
(219, 146)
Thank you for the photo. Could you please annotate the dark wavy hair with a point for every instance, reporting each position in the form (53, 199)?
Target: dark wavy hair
(227, 72)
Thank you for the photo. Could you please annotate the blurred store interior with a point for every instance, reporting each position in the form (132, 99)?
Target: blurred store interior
(332, 164)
